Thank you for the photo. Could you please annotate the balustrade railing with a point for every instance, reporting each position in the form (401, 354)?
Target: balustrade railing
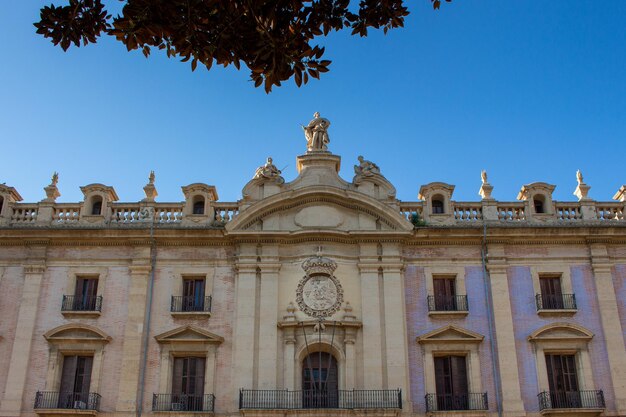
(168, 213)
(126, 214)
(468, 212)
(610, 211)
(568, 211)
(556, 301)
(571, 399)
(458, 402)
(410, 210)
(512, 211)
(183, 304)
(24, 213)
(183, 402)
(66, 214)
(447, 303)
(81, 303)
(67, 400)
(317, 399)
(225, 212)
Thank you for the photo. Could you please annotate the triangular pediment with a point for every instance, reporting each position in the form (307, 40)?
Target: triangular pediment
(450, 334)
(188, 334)
(561, 332)
(76, 332)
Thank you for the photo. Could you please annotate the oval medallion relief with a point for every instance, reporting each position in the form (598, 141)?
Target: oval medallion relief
(319, 217)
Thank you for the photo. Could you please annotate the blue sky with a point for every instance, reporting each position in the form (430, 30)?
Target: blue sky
(528, 90)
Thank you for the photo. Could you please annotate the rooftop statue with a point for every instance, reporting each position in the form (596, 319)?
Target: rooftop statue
(316, 134)
(55, 179)
(483, 176)
(269, 171)
(366, 168)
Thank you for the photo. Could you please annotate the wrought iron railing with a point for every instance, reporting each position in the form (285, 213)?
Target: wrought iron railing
(82, 303)
(450, 402)
(183, 304)
(67, 400)
(571, 399)
(556, 301)
(343, 399)
(447, 303)
(183, 402)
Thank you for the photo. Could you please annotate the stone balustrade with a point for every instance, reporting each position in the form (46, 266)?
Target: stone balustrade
(217, 214)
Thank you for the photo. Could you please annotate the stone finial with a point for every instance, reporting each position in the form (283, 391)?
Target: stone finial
(347, 313)
(52, 192)
(316, 134)
(582, 189)
(291, 312)
(150, 189)
(620, 195)
(485, 188)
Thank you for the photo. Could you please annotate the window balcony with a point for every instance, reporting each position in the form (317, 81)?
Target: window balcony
(316, 399)
(81, 306)
(49, 403)
(556, 304)
(459, 402)
(590, 402)
(183, 402)
(452, 305)
(185, 306)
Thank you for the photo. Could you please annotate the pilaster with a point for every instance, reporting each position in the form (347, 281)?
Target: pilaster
(609, 315)
(268, 314)
(139, 271)
(505, 336)
(34, 270)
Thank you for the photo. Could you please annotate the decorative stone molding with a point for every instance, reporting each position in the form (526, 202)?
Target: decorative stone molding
(433, 194)
(97, 194)
(582, 189)
(538, 199)
(198, 199)
(149, 189)
(52, 192)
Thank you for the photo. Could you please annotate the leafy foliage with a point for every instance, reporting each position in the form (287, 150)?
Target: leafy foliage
(273, 38)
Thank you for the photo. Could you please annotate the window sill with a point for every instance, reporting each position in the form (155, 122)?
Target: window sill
(191, 314)
(81, 314)
(458, 413)
(557, 312)
(183, 413)
(572, 412)
(447, 314)
(62, 412)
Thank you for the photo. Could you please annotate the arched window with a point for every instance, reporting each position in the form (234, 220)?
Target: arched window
(1, 203)
(437, 204)
(538, 202)
(198, 205)
(320, 381)
(96, 206)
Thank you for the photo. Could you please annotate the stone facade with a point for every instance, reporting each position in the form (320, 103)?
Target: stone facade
(263, 291)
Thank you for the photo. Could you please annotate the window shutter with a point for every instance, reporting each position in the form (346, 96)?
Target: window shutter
(85, 376)
(177, 377)
(440, 376)
(459, 375)
(200, 366)
(78, 292)
(68, 374)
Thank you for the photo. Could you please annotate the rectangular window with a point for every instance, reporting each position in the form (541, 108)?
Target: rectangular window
(563, 381)
(193, 294)
(451, 383)
(188, 384)
(75, 381)
(445, 293)
(551, 294)
(85, 294)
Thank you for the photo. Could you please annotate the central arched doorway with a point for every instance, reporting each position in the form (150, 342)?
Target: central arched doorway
(320, 381)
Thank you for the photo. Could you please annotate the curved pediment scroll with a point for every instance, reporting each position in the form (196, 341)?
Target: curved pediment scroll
(345, 200)
(76, 332)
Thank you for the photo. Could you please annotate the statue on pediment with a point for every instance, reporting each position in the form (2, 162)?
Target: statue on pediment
(316, 134)
(366, 168)
(269, 171)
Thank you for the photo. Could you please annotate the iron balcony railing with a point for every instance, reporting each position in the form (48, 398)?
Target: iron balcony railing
(183, 402)
(556, 301)
(450, 402)
(67, 400)
(447, 303)
(571, 399)
(82, 303)
(183, 304)
(307, 399)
